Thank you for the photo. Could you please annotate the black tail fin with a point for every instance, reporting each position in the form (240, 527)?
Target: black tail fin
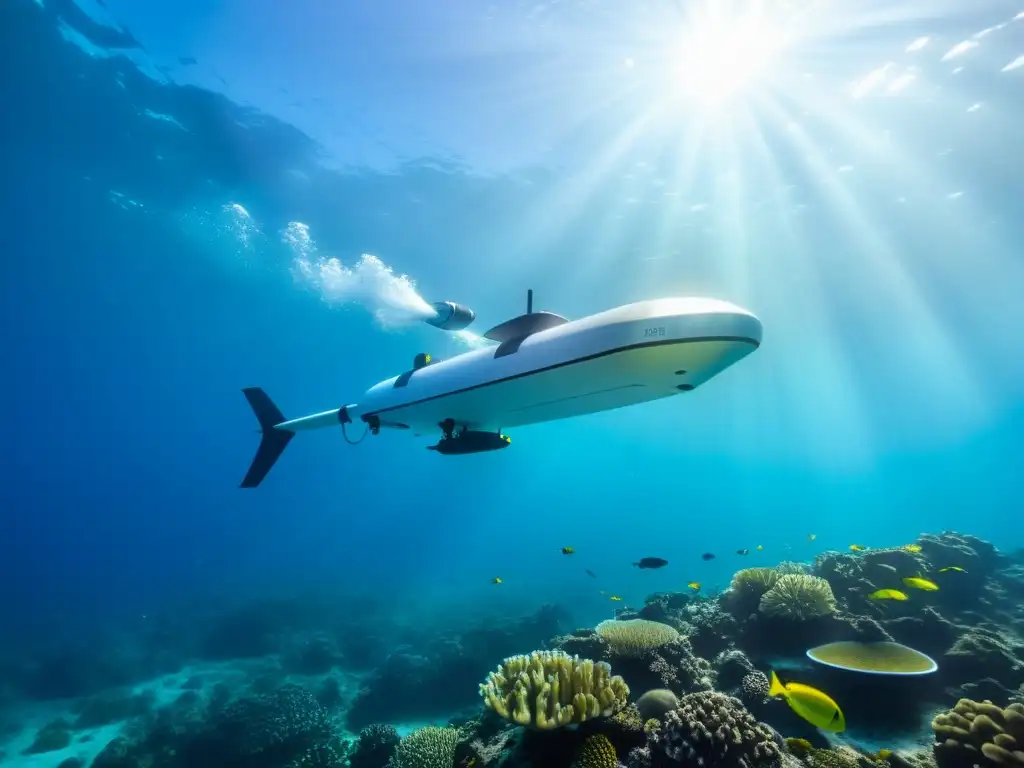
(273, 442)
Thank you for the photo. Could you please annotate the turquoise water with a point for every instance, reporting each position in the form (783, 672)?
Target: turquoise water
(200, 198)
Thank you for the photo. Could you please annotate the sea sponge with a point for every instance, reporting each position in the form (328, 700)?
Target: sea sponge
(656, 703)
(799, 596)
(549, 689)
(596, 752)
(429, 747)
(635, 637)
(712, 729)
(980, 733)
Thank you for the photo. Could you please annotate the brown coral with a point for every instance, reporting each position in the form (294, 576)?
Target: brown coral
(980, 733)
(712, 729)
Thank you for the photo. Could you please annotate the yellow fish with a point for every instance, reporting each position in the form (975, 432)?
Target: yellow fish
(857, 548)
(883, 754)
(956, 568)
(616, 598)
(812, 705)
(916, 582)
(887, 594)
(567, 550)
(694, 585)
(496, 580)
(912, 547)
(812, 536)
(760, 548)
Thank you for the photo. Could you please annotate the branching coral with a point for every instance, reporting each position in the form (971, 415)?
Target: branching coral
(980, 733)
(549, 689)
(799, 596)
(374, 746)
(285, 721)
(429, 747)
(635, 637)
(712, 729)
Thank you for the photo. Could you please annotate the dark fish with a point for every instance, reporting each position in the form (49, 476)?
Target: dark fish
(651, 562)
(590, 573)
(742, 551)
(707, 556)
(187, 61)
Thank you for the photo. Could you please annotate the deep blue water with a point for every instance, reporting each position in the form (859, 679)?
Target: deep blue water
(879, 239)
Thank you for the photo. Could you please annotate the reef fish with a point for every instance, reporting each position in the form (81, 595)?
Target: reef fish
(616, 598)
(590, 573)
(812, 536)
(915, 548)
(708, 556)
(651, 562)
(887, 594)
(694, 585)
(760, 547)
(814, 706)
(496, 580)
(742, 551)
(857, 548)
(917, 582)
(956, 568)
(567, 550)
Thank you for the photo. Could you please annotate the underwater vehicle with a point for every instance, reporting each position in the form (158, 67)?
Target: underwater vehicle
(543, 367)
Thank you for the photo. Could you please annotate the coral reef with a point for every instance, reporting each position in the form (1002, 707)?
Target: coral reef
(798, 596)
(700, 661)
(549, 689)
(980, 733)
(428, 747)
(374, 747)
(712, 729)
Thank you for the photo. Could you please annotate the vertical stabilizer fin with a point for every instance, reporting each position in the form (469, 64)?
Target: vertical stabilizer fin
(273, 442)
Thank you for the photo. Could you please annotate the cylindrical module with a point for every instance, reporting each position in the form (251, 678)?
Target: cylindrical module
(450, 316)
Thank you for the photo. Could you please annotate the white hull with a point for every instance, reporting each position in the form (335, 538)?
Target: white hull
(628, 355)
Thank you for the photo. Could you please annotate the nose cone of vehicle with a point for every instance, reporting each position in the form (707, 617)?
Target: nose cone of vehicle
(450, 316)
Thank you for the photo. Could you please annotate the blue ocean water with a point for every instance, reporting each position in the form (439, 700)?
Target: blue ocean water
(189, 190)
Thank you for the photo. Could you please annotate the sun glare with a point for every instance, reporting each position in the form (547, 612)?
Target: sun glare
(721, 55)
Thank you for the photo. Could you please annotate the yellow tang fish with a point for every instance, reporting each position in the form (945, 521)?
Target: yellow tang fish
(812, 705)
(919, 583)
(956, 568)
(760, 547)
(857, 548)
(887, 594)
(912, 547)
(883, 754)
(496, 580)
(812, 536)
(616, 598)
(567, 550)
(694, 585)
